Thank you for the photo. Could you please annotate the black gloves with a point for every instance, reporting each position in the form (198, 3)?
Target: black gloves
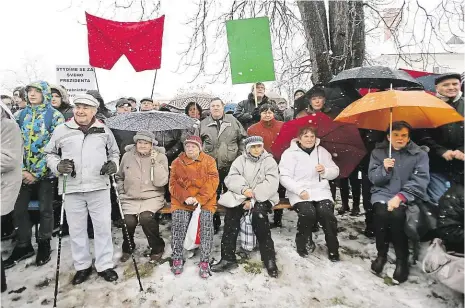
(66, 166)
(108, 168)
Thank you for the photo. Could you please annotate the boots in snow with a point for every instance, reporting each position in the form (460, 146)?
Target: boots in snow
(271, 268)
(109, 275)
(334, 256)
(224, 265)
(155, 257)
(355, 211)
(401, 272)
(204, 271)
(177, 267)
(19, 254)
(343, 209)
(124, 257)
(82, 276)
(43, 252)
(378, 264)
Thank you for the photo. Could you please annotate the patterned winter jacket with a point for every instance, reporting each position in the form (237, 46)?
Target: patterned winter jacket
(35, 132)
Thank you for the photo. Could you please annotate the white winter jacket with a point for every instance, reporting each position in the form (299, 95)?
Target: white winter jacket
(298, 174)
(89, 153)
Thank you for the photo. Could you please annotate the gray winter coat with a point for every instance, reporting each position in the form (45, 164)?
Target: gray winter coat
(89, 153)
(223, 143)
(10, 164)
(139, 192)
(409, 175)
(261, 176)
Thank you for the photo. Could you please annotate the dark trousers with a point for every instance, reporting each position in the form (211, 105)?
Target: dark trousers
(261, 228)
(115, 213)
(355, 184)
(223, 173)
(278, 214)
(389, 227)
(333, 187)
(2, 275)
(309, 212)
(367, 206)
(151, 230)
(45, 190)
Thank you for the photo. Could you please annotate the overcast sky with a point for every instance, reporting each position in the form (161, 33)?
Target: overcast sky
(48, 33)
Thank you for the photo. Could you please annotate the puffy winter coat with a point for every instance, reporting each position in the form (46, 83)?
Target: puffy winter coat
(36, 135)
(66, 109)
(409, 175)
(193, 178)
(267, 130)
(223, 143)
(450, 223)
(88, 151)
(138, 190)
(10, 164)
(248, 114)
(298, 173)
(261, 176)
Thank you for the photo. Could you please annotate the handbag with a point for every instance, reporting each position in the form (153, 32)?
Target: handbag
(248, 238)
(192, 239)
(421, 217)
(444, 267)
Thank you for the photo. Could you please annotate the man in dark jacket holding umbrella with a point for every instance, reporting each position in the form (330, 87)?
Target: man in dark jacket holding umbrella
(247, 111)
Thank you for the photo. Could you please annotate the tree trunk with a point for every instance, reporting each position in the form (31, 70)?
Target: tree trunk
(340, 47)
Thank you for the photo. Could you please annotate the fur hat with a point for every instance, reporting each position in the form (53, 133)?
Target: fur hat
(146, 136)
(195, 140)
(252, 140)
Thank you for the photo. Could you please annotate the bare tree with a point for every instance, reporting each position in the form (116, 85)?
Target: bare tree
(30, 71)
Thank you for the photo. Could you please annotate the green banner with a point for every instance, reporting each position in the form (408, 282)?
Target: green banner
(250, 52)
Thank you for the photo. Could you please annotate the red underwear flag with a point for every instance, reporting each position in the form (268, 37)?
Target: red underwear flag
(140, 42)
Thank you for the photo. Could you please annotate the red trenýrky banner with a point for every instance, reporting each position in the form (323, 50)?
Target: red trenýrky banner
(140, 42)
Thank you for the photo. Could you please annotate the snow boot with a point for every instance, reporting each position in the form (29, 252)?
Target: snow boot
(334, 256)
(155, 257)
(109, 275)
(19, 254)
(378, 264)
(204, 271)
(355, 211)
(82, 276)
(124, 257)
(43, 252)
(223, 266)
(401, 272)
(177, 267)
(271, 268)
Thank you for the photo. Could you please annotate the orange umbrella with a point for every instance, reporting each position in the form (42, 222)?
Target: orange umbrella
(418, 108)
(378, 110)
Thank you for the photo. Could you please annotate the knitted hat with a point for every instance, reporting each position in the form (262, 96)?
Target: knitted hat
(252, 140)
(195, 140)
(146, 136)
(446, 76)
(86, 99)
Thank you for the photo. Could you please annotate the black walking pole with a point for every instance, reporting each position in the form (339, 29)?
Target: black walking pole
(154, 79)
(60, 236)
(126, 233)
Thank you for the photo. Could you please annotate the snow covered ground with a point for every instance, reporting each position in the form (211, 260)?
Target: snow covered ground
(309, 282)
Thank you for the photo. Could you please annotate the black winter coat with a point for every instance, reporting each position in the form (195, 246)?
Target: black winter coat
(450, 224)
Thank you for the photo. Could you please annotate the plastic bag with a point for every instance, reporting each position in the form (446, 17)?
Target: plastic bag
(248, 238)
(192, 239)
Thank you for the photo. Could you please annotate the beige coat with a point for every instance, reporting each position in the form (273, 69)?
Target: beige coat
(138, 193)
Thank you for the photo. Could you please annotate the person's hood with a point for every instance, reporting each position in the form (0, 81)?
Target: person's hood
(264, 155)
(411, 147)
(265, 99)
(4, 108)
(132, 147)
(295, 147)
(64, 96)
(299, 90)
(44, 87)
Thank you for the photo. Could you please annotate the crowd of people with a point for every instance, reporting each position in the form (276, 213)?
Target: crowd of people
(225, 160)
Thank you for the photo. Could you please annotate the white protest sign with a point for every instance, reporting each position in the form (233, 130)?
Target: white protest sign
(77, 79)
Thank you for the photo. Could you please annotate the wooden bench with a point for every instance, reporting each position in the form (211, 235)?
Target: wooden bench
(283, 204)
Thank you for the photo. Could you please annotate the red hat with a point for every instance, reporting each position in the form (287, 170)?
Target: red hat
(195, 140)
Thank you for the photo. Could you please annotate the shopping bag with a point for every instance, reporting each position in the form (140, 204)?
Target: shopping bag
(444, 267)
(192, 239)
(248, 238)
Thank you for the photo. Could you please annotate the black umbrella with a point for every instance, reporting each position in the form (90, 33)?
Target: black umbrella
(338, 97)
(154, 121)
(377, 77)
